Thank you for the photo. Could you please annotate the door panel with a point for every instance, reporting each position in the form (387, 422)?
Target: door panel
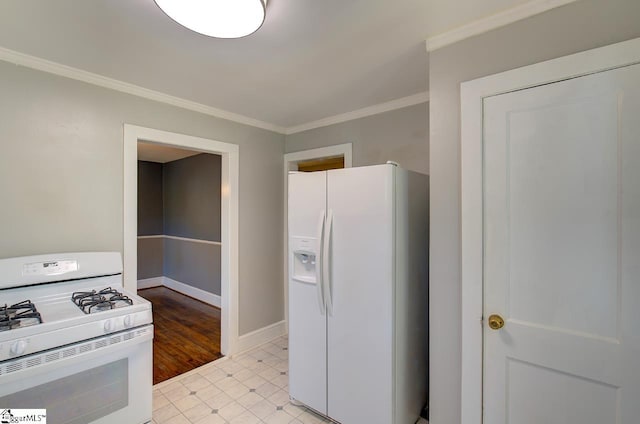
(562, 238)
(360, 324)
(307, 319)
(598, 401)
(572, 167)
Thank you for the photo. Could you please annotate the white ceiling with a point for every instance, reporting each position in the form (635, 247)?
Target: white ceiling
(310, 60)
(162, 154)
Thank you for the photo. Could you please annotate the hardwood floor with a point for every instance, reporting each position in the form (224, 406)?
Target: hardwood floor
(186, 334)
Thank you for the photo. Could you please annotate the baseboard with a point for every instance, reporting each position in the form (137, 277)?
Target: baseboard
(261, 336)
(196, 293)
(150, 282)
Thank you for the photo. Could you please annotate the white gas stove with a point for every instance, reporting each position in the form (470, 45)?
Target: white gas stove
(73, 340)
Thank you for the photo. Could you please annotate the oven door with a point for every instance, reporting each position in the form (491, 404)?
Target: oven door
(103, 380)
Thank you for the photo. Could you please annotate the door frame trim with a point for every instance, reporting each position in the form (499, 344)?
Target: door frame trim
(472, 94)
(228, 218)
(291, 164)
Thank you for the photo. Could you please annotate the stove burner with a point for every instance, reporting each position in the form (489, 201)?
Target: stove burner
(23, 314)
(105, 299)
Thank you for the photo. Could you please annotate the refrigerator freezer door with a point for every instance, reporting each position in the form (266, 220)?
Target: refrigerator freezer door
(307, 320)
(360, 324)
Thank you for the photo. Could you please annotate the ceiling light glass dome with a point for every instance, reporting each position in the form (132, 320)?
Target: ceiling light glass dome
(217, 18)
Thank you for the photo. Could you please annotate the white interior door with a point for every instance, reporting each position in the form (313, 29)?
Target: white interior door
(562, 252)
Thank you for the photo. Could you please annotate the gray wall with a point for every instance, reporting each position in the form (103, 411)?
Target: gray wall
(150, 203)
(191, 188)
(192, 196)
(150, 220)
(194, 264)
(61, 177)
(150, 258)
(400, 135)
(580, 26)
(181, 198)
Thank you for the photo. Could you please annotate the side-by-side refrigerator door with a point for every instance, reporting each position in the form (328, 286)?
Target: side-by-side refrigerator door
(360, 300)
(307, 316)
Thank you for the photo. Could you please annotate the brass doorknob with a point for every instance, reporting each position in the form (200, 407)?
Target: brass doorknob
(496, 322)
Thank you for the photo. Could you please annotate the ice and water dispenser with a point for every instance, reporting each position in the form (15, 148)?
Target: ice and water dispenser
(304, 259)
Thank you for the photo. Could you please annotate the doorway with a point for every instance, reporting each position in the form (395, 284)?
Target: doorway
(320, 159)
(322, 164)
(179, 255)
(229, 182)
(550, 241)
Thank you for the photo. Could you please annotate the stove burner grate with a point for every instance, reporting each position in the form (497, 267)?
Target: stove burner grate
(102, 300)
(22, 314)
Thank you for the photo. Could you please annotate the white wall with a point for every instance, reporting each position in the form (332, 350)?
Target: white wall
(61, 177)
(400, 135)
(579, 26)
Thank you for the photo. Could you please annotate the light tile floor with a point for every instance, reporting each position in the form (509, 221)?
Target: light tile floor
(249, 388)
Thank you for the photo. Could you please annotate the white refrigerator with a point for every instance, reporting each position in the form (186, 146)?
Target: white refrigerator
(358, 293)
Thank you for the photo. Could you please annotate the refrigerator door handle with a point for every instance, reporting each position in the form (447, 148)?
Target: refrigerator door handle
(319, 263)
(326, 263)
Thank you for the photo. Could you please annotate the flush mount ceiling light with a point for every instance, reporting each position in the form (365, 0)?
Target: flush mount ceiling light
(217, 18)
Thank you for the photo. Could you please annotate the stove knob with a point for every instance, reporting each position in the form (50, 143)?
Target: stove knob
(108, 325)
(128, 321)
(18, 348)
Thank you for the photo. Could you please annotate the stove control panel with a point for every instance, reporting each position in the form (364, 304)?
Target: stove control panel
(67, 333)
(50, 268)
(113, 325)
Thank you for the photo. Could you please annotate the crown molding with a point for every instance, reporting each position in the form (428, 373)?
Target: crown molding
(361, 113)
(492, 22)
(44, 65)
(33, 62)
